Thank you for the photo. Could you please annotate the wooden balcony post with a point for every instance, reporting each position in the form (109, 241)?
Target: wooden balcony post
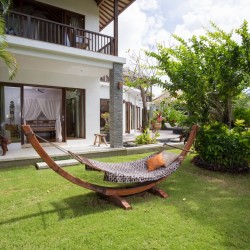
(26, 30)
(74, 37)
(116, 27)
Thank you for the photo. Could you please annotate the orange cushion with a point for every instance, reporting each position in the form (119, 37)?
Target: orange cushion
(155, 162)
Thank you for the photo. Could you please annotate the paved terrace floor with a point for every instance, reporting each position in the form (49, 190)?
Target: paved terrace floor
(18, 156)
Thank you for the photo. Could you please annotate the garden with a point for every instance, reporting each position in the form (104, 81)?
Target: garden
(208, 83)
(204, 210)
(208, 78)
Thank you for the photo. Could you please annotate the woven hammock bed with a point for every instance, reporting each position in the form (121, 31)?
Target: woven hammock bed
(136, 172)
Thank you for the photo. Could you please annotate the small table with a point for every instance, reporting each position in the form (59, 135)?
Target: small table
(101, 138)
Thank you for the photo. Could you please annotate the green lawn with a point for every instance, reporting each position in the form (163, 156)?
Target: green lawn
(205, 210)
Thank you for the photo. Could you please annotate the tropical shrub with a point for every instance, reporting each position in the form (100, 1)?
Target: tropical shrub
(173, 114)
(147, 137)
(222, 149)
(242, 109)
(105, 117)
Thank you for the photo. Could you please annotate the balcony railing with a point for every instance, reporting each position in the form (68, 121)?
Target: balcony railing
(22, 25)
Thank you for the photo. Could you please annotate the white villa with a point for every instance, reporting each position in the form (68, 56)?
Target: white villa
(61, 56)
(132, 106)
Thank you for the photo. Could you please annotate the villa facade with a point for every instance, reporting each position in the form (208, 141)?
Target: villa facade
(61, 56)
(132, 107)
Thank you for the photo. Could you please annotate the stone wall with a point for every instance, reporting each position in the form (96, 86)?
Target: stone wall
(116, 106)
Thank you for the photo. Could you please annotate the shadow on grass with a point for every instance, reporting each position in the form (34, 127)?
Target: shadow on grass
(93, 203)
(81, 205)
(68, 208)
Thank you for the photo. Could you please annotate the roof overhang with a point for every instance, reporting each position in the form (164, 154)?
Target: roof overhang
(106, 10)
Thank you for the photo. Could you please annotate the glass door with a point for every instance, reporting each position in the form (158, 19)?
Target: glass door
(128, 113)
(10, 112)
(75, 113)
(75, 33)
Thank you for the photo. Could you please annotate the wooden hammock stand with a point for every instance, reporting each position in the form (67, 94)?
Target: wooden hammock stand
(115, 195)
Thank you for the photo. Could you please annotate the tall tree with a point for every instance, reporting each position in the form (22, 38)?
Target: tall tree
(210, 70)
(141, 73)
(6, 56)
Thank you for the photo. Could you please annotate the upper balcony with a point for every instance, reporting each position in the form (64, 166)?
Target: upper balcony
(36, 28)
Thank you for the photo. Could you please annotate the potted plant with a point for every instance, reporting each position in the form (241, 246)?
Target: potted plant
(157, 120)
(105, 117)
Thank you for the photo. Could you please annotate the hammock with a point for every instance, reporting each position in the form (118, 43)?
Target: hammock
(125, 172)
(136, 171)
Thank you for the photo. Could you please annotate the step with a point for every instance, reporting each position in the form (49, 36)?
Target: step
(61, 163)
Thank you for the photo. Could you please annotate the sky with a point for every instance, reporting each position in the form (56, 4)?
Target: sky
(148, 22)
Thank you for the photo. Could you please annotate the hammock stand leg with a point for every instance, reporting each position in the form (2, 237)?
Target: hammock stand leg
(158, 191)
(117, 200)
(122, 202)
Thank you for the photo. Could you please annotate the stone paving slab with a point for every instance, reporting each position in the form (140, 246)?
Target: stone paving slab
(61, 163)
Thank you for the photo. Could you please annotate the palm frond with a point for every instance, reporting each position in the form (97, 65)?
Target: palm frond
(5, 4)
(5, 55)
(10, 62)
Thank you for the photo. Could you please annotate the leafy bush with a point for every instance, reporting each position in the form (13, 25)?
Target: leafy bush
(105, 116)
(146, 137)
(222, 149)
(174, 116)
(242, 109)
(173, 112)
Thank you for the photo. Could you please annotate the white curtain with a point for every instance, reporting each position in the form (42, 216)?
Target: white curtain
(50, 108)
(31, 109)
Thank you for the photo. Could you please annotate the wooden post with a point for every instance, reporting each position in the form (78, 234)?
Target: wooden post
(116, 27)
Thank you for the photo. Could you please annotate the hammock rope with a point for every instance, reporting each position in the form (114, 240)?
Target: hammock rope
(172, 146)
(68, 152)
(86, 161)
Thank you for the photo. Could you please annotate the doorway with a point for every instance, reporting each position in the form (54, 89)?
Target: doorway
(10, 112)
(75, 113)
(75, 34)
(128, 116)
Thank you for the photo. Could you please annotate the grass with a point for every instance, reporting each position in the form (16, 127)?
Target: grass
(205, 210)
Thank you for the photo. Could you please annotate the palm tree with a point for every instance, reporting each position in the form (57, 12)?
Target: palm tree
(6, 56)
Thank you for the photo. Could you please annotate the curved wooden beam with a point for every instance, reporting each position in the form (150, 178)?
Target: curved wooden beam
(96, 188)
(111, 193)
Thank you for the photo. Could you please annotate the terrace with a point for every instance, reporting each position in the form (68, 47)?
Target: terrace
(40, 29)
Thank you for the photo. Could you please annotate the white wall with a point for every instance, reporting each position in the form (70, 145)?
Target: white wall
(85, 7)
(104, 90)
(134, 97)
(129, 95)
(92, 109)
(90, 84)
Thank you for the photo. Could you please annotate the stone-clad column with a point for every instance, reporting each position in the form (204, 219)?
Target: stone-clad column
(116, 106)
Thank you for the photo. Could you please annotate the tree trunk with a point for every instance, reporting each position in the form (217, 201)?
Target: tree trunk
(144, 111)
(229, 112)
